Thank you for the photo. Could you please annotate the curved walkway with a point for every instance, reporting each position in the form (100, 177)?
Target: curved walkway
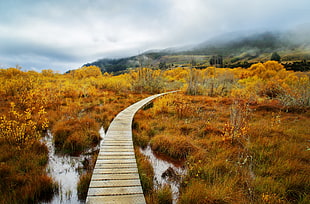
(115, 177)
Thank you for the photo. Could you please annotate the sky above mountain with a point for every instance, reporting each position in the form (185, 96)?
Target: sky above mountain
(64, 34)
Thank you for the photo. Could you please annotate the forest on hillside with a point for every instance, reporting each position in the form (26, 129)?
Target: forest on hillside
(292, 48)
(241, 134)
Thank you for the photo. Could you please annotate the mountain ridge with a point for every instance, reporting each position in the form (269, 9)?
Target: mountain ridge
(235, 51)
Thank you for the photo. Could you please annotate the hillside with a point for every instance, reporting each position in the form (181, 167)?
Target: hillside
(234, 50)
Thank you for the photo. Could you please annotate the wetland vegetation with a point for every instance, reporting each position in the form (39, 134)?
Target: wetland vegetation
(241, 134)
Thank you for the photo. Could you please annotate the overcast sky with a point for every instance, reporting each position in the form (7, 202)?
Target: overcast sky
(65, 34)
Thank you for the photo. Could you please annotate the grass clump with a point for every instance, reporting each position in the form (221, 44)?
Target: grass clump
(83, 184)
(74, 135)
(85, 178)
(22, 175)
(235, 150)
(164, 195)
(194, 193)
(146, 173)
(175, 147)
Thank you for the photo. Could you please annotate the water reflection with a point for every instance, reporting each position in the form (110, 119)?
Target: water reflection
(165, 173)
(66, 170)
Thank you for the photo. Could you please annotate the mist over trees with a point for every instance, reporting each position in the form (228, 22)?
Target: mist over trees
(220, 52)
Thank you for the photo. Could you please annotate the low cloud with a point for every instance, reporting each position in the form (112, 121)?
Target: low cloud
(64, 34)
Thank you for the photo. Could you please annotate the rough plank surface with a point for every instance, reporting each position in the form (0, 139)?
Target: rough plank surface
(115, 178)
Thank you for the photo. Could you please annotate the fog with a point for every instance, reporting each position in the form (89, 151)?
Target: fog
(65, 34)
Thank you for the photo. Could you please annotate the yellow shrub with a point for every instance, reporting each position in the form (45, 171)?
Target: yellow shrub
(20, 128)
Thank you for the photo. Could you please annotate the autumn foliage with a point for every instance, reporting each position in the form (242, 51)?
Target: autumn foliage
(219, 126)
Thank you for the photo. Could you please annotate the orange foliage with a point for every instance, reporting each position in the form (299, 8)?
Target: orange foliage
(78, 103)
(266, 70)
(84, 72)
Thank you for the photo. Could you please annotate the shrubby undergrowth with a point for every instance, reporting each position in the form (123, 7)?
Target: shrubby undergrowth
(232, 128)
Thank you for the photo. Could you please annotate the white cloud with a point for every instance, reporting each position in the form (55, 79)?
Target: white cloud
(64, 33)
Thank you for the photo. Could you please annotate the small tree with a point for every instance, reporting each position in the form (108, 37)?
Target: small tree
(216, 61)
(146, 79)
(162, 65)
(275, 57)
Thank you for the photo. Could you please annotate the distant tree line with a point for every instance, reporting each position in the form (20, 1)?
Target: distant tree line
(119, 66)
(302, 66)
(113, 65)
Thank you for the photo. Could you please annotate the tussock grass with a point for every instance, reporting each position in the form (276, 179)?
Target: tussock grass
(146, 173)
(195, 193)
(83, 184)
(22, 174)
(75, 135)
(266, 162)
(263, 158)
(74, 104)
(175, 147)
(164, 195)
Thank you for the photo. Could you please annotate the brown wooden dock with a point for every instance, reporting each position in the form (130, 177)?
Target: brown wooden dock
(115, 177)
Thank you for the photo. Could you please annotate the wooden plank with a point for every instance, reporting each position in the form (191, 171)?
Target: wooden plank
(112, 166)
(116, 144)
(115, 171)
(114, 150)
(118, 147)
(121, 139)
(115, 154)
(115, 178)
(115, 161)
(114, 183)
(100, 177)
(122, 199)
(102, 154)
(120, 190)
(115, 131)
(108, 152)
(112, 157)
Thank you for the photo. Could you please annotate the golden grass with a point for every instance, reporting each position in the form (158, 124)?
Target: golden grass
(265, 160)
(195, 193)
(146, 173)
(22, 174)
(83, 184)
(164, 195)
(75, 135)
(175, 147)
(268, 165)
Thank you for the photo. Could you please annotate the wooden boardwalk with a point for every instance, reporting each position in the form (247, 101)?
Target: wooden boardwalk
(115, 177)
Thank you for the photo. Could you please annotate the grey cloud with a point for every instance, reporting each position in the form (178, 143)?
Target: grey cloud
(66, 33)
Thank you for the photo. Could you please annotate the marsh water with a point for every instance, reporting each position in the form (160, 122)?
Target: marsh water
(65, 171)
(165, 172)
